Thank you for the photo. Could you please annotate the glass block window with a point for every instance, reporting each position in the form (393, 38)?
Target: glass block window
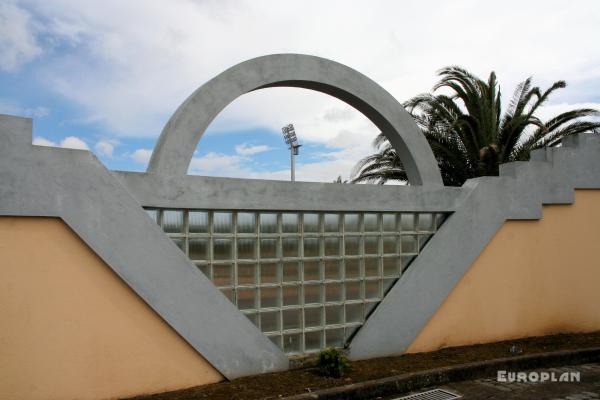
(308, 280)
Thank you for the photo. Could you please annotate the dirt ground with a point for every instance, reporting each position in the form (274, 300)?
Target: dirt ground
(280, 384)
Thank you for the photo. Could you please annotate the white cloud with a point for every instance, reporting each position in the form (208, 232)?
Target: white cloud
(216, 164)
(73, 142)
(70, 142)
(142, 156)
(105, 148)
(249, 150)
(40, 141)
(18, 44)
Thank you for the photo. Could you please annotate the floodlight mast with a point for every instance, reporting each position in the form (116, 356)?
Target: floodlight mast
(289, 135)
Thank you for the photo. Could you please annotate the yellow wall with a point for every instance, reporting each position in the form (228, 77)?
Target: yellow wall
(534, 278)
(72, 329)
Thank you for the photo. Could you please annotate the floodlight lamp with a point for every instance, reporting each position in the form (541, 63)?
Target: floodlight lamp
(289, 134)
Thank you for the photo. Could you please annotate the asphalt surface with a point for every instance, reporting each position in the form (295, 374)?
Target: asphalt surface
(588, 388)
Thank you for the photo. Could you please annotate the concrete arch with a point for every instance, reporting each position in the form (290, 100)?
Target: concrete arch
(181, 134)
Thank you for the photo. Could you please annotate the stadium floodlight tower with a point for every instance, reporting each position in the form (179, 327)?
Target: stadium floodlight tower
(289, 135)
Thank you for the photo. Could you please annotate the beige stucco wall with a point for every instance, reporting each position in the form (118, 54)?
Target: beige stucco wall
(534, 278)
(72, 329)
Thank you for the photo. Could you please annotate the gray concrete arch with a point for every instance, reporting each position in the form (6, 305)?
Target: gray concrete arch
(183, 131)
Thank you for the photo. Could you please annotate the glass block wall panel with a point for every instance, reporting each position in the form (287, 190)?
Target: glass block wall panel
(308, 280)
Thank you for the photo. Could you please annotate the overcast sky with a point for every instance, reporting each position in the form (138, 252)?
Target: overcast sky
(106, 75)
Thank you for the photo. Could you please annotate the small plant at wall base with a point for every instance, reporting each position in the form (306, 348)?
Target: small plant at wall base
(468, 131)
(332, 363)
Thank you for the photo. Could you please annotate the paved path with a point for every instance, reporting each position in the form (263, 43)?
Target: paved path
(490, 389)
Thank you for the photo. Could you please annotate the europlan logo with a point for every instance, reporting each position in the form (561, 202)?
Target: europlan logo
(537, 377)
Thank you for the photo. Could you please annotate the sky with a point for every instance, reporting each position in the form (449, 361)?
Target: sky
(106, 75)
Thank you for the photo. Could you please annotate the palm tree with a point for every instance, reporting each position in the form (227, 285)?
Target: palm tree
(469, 134)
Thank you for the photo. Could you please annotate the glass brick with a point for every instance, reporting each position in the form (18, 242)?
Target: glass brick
(388, 284)
(269, 321)
(292, 319)
(313, 341)
(390, 245)
(291, 271)
(313, 317)
(277, 340)
(312, 271)
(372, 267)
(246, 249)
(389, 222)
(334, 291)
(291, 343)
(391, 266)
(334, 315)
(172, 221)
(332, 246)
(269, 273)
(349, 332)
(253, 317)
(291, 295)
(369, 307)
(312, 294)
(426, 223)
(352, 268)
(407, 222)
(246, 274)
(311, 247)
(372, 245)
(439, 220)
(228, 292)
(153, 214)
(246, 298)
(270, 297)
(290, 247)
(372, 289)
(223, 275)
(408, 243)
(223, 222)
(198, 221)
(331, 222)
(268, 248)
(423, 239)
(222, 249)
(333, 269)
(289, 223)
(353, 291)
(405, 261)
(268, 223)
(180, 242)
(198, 249)
(351, 246)
(246, 222)
(205, 268)
(334, 337)
(311, 222)
(354, 313)
(371, 222)
(351, 223)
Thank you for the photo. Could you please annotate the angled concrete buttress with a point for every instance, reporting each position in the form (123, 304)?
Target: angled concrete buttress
(183, 131)
(75, 186)
(487, 202)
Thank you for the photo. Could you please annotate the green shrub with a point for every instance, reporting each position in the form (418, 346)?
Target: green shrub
(332, 363)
